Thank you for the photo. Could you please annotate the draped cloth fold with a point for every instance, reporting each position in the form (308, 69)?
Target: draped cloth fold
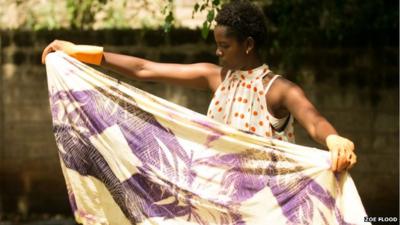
(129, 157)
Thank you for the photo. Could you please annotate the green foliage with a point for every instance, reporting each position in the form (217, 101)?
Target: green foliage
(301, 21)
(211, 7)
(50, 22)
(81, 12)
(294, 23)
(169, 16)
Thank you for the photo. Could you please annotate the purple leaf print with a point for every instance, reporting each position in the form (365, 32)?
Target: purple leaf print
(162, 162)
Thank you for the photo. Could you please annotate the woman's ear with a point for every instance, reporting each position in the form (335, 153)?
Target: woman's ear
(249, 45)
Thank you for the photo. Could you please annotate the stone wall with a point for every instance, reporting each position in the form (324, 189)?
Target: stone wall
(356, 88)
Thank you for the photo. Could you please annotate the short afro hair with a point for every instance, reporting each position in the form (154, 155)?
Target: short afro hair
(243, 20)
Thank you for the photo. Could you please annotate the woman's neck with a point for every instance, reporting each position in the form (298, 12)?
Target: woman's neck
(252, 62)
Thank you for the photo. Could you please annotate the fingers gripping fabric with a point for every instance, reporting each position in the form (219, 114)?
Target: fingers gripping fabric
(129, 157)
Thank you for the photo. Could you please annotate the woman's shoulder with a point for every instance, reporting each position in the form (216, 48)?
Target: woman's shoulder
(283, 87)
(277, 80)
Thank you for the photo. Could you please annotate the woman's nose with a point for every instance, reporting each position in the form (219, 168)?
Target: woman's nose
(218, 52)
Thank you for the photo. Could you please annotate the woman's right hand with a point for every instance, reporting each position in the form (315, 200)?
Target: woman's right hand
(58, 45)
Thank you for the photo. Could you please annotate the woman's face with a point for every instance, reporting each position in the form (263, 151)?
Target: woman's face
(230, 51)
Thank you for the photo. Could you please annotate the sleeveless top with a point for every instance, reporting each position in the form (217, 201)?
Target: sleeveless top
(240, 102)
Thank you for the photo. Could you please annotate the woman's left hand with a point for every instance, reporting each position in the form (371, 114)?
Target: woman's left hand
(342, 152)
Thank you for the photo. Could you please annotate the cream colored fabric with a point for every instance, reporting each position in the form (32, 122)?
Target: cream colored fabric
(129, 157)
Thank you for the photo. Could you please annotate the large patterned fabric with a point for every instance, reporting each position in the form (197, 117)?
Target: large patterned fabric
(129, 157)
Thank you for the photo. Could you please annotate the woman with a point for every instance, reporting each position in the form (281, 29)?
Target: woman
(247, 95)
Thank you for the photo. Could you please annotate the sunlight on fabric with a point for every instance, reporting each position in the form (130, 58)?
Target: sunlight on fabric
(129, 157)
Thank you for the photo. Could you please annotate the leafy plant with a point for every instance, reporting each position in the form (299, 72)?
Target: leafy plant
(211, 6)
(169, 15)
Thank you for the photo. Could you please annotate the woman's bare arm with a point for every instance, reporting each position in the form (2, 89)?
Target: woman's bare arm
(288, 96)
(199, 75)
(306, 114)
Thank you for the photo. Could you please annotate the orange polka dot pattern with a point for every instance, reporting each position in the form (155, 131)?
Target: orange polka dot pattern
(241, 103)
